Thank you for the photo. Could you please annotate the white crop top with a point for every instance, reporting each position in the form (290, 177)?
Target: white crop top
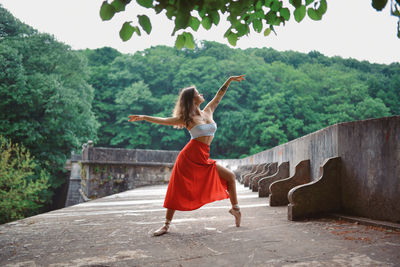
(203, 130)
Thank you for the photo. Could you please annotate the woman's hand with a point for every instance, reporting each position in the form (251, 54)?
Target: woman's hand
(236, 78)
(136, 118)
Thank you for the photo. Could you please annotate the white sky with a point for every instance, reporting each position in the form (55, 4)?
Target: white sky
(350, 29)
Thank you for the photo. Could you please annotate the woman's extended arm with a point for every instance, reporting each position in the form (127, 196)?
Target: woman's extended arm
(212, 105)
(165, 121)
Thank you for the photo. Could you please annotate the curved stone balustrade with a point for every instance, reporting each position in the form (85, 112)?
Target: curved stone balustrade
(320, 196)
(241, 170)
(272, 168)
(248, 177)
(264, 183)
(263, 171)
(252, 170)
(279, 190)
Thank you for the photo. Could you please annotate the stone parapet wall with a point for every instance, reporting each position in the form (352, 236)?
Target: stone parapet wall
(106, 171)
(369, 169)
(370, 156)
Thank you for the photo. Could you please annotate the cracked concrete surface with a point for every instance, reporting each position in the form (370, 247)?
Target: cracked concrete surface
(117, 231)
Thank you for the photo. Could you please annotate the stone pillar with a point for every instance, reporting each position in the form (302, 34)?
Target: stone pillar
(73, 195)
(264, 183)
(248, 177)
(320, 196)
(252, 168)
(280, 189)
(271, 169)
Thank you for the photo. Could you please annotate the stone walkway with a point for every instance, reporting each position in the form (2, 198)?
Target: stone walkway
(117, 231)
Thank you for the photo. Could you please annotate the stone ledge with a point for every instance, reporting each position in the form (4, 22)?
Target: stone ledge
(366, 221)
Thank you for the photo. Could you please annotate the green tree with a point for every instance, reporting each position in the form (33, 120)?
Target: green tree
(105, 89)
(22, 188)
(46, 100)
(135, 99)
(10, 26)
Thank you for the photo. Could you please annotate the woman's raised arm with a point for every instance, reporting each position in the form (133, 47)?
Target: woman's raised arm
(212, 105)
(173, 121)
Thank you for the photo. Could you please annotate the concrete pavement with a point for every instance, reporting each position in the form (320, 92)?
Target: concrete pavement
(117, 231)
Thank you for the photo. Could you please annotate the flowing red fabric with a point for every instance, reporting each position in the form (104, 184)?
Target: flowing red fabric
(194, 179)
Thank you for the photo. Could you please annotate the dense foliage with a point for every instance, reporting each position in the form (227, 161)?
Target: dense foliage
(286, 94)
(22, 188)
(242, 14)
(45, 98)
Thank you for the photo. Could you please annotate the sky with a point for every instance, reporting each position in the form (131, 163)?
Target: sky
(350, 29)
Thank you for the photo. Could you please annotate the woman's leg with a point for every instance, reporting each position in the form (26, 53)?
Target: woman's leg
(229, 177)
(169, 215)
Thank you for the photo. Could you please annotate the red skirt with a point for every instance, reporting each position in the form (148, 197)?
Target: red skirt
(194, 179)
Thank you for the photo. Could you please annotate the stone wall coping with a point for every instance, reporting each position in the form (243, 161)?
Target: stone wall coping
(136, 149)
(131, 163)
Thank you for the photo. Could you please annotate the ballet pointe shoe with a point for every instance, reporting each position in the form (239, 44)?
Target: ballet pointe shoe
(237, 214)
(163, 229)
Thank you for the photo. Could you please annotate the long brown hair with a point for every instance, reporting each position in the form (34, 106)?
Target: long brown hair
(184, 107)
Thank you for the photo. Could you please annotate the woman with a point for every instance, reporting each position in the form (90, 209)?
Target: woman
(195, 179)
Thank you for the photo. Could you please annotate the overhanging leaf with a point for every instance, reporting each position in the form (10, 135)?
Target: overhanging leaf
(285, 13)
(275, 6)
(257, 25)
(126, 31)
(144, 21)
(300, 13)
(271, 17)
(189, 42)
(259, 4)
(145, 3)
(215, 17)
(242, 29)
(194, 23)
(232, 38)
(119, 5)
(137, 30)
(295, 3)
(313, 14)
(309, 2)
(180, 41)
(267, 31)
(323, 6)
(268, 3)
(107, 11)
(206, 22)
(182, 20)
(379, 4)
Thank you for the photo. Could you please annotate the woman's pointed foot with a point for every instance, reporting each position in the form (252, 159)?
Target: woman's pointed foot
(163, 229)
(237, 214)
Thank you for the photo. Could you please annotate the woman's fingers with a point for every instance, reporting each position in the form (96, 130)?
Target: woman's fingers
(133, 117)
(238, 78)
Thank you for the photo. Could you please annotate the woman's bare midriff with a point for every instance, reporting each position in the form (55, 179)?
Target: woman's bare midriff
(205, 139)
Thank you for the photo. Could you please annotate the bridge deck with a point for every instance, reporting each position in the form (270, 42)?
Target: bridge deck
(116, 231)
